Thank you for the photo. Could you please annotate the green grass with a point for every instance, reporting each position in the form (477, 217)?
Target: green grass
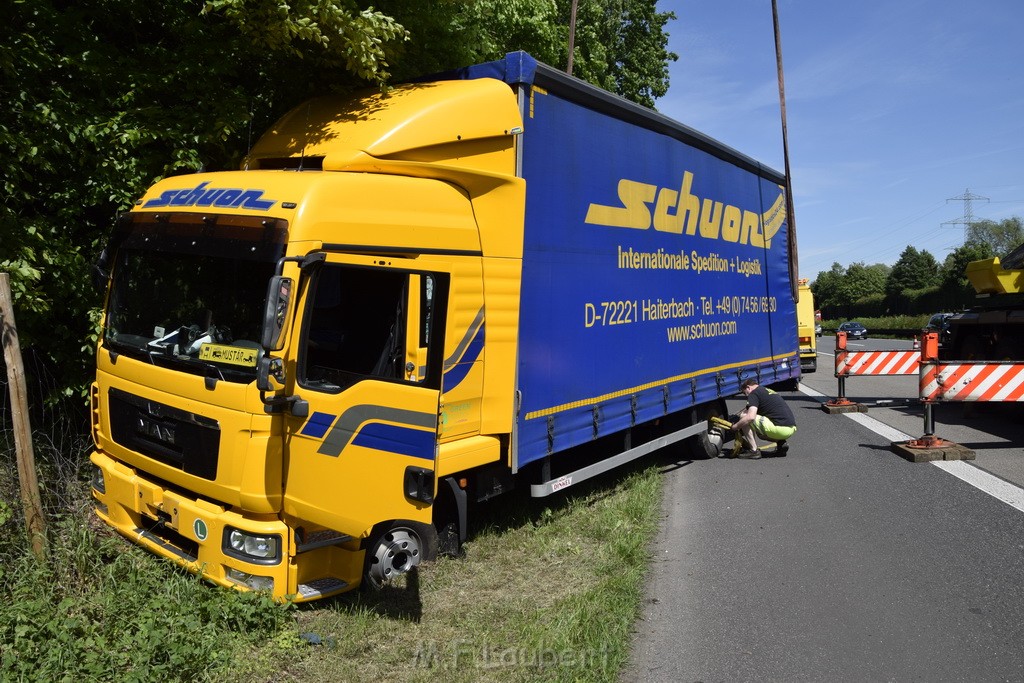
(99, 610)
(548, 590)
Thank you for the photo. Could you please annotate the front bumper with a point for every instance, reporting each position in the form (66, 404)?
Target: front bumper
(809, 361)
(192, 533)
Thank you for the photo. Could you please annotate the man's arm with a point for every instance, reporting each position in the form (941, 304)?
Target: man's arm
(746, 417)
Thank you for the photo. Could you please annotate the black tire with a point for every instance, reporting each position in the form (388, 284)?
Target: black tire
(706, 445)
(792, 384)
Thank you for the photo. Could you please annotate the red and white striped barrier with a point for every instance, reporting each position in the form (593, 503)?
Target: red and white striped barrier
(878, 363)
(989, 381)
(979, 381)
(868, 363)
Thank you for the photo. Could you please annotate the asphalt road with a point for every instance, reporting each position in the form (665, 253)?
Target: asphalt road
(842, 561)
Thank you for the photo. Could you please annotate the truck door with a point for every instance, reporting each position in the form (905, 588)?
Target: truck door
(368, 361)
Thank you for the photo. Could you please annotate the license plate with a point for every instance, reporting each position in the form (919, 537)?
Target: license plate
(234, 355)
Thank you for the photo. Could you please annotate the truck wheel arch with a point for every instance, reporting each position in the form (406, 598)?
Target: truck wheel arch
(451, 517)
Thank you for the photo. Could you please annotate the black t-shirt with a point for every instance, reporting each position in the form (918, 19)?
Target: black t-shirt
(772, 406)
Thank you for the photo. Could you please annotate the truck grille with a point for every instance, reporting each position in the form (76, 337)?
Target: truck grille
(174, 437)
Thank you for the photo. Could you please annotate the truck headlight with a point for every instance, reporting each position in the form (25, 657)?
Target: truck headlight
(97, 480)
(256, 583)
(257, 548)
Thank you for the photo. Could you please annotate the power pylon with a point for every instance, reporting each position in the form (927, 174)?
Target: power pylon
(968, 199)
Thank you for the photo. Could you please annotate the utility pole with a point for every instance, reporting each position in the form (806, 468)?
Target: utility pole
(967, 198)
(572, 36)
(790, 211)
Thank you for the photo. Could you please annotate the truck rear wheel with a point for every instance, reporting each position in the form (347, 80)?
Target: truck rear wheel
(709, 443)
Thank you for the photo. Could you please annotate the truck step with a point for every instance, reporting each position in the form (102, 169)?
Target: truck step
(321, 587)
(321, 539)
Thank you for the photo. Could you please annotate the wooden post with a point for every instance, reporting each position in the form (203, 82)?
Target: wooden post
(30, 498)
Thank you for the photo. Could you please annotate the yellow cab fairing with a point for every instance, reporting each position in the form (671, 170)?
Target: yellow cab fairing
(467, 124)
(460, 132)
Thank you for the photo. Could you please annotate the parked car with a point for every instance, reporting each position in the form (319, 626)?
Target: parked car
(854, 330)
(817, 329)
(940, 323)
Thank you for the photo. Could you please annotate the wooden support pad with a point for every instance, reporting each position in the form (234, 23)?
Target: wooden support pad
(920, 450)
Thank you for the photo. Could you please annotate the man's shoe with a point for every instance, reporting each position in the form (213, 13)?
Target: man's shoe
(748, 454)
(781, 449)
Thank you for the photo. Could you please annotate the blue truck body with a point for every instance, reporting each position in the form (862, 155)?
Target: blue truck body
(656, 264)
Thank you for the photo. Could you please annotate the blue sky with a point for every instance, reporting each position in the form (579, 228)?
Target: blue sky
(893, 108)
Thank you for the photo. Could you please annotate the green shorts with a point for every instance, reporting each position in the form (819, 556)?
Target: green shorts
(766, 429)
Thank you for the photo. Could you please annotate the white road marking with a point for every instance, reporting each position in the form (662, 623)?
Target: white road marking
(975, 476)
(980, 479)
(880, 428)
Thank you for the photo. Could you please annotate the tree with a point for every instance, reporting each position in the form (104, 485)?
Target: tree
(864, 281)
(827, 286)
(620, 45)
(955, 289)
(839, 288)
(1001, 238)
(952, 274)
(447, 34)
(105, 97)
(914, 270)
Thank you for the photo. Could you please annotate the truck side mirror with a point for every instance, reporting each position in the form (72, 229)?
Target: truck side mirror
(279, 294)
(101, 272)
(270, 377)
(270, 374)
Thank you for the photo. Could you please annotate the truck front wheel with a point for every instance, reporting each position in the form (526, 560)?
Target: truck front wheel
(396, 548)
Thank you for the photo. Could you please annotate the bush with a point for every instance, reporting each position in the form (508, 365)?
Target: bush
(100, 610)
(894, 324)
